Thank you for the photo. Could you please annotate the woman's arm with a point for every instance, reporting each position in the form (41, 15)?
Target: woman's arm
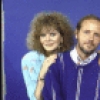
(30, 84)
(48, 61)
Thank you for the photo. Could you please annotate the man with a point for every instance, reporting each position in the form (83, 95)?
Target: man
(76, 74)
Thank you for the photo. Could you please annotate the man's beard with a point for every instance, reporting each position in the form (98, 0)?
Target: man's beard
(85, 51)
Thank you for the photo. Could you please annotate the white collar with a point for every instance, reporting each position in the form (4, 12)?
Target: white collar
(75, 57)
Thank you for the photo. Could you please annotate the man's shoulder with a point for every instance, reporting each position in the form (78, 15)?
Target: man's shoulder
(60, 61)
(64, 55)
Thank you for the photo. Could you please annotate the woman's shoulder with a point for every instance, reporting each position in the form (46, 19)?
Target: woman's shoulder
(32, 54)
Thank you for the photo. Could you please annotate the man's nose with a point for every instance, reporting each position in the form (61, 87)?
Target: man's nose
(91, 37)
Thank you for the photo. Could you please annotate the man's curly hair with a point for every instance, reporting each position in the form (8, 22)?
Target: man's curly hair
(55, 20)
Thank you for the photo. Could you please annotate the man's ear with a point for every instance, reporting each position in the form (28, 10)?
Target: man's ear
(98, 51)
(75, 34)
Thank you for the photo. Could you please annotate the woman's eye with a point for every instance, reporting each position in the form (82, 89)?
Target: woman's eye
(42, 35)
(52, 34)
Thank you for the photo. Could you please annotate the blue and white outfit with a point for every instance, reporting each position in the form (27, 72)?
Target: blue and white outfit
(71, 78)
(31, 64)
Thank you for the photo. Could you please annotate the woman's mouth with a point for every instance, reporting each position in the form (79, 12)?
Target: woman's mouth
(49, 44)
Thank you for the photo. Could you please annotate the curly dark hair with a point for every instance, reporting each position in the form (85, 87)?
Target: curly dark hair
(52, 19)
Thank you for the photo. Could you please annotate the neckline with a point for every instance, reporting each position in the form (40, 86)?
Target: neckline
(89, 64)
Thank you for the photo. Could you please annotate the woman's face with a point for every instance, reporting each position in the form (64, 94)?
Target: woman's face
(50, 39)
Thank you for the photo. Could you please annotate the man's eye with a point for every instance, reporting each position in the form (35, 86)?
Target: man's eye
(97, 34)
(87, 32)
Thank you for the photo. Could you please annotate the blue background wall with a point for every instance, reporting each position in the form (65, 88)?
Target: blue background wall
(18, 14)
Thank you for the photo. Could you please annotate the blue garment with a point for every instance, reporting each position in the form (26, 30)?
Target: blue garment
(31, 64)
(66, 80)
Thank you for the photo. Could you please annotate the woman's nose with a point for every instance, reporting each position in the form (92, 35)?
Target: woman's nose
(47, 37)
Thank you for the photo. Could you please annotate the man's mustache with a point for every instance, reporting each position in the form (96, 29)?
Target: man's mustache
(90, 42)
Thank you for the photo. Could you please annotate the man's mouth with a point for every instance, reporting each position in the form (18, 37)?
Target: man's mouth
(89, 44)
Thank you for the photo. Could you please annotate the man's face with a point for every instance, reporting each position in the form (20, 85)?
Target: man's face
(88, 36)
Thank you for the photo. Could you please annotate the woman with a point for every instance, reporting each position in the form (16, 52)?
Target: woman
(50, 34)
